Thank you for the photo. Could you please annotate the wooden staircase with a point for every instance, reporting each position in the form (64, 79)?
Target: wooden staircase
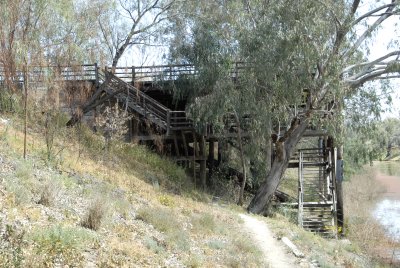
(316, 195)
(136, 101)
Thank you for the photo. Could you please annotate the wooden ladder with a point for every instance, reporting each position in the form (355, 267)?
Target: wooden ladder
(316, 202)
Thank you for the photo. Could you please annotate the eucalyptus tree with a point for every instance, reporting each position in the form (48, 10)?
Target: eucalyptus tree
(125, 24)
(322, 43)
(291, 47)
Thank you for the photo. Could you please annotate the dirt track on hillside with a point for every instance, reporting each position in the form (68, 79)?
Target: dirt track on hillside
(275, 253)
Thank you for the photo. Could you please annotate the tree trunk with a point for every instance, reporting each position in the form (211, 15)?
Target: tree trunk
(239, 136)
(284, 148)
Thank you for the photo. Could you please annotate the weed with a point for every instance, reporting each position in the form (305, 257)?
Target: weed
(289, 212)
(166, 200)
(21, 194)
(178, 239)
(244, 246)
(204, 223)
(61, 245)
(165, 221)
(194, 261)
(122, 206)
(162, 219)
(9, 102)
(24, 171)
(48, 194)
(95, 215)
(216, 244)
(153, 245)
(11, 245)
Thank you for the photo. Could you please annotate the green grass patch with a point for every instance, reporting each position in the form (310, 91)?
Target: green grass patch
(60, 244)
(204, 223)
(164, 220)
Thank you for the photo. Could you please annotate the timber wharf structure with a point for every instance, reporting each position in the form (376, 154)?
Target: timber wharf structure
(144, 92)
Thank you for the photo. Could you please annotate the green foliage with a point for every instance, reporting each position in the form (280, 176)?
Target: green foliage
(204, 223)
(54, 132)
(58, 244)
(166, 200)
(9, 102)
(370, 141)
(216, 244)
(153, 245)
(22, 185)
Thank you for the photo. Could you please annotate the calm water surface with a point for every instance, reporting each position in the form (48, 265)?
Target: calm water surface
(387, 211)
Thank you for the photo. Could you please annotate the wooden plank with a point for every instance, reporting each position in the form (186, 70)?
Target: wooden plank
(176, 145)
(292, 247)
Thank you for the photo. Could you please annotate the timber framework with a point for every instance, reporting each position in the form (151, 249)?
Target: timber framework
(158, 117)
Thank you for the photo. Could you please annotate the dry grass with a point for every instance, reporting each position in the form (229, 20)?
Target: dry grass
(185, 228)
(48, 194)
(95, 215)
(361, 194)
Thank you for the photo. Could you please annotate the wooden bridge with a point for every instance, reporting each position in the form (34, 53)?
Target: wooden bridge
(138, 89)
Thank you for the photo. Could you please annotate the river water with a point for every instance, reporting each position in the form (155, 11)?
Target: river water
(387, 210)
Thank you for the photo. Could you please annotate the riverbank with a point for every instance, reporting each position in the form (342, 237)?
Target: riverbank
(387, 209)
(362, 193)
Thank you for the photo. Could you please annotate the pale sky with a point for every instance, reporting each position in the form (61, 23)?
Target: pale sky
(377, 48)
(389, 32)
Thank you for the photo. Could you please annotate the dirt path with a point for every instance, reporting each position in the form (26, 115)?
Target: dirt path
(275, 253)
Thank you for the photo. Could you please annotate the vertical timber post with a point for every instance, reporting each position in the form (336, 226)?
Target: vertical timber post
(96, 75)
(202, 154)
(300, 191)
(168, 122)
(133, 75)
(211, 158)
(194, 156)
(185, 149)
(339, 189)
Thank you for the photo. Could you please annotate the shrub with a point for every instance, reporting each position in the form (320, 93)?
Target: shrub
(95, 215)
(166, 200)
(162, 219)
(204, 223)
(216, 244)
(61, 245)
(24, 171)
(11, 245)
(48, 194)
(153, 245)
(165, 221)
(21, 194)
(194, 261)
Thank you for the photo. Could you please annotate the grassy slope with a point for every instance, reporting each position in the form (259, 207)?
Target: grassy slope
(143, 207)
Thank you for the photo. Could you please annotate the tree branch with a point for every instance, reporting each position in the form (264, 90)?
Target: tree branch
(361, 39)
(370, 13)
(366, 65)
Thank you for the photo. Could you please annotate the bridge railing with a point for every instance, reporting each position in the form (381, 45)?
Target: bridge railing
(89, 72)
(43, 74)
(165, 72)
